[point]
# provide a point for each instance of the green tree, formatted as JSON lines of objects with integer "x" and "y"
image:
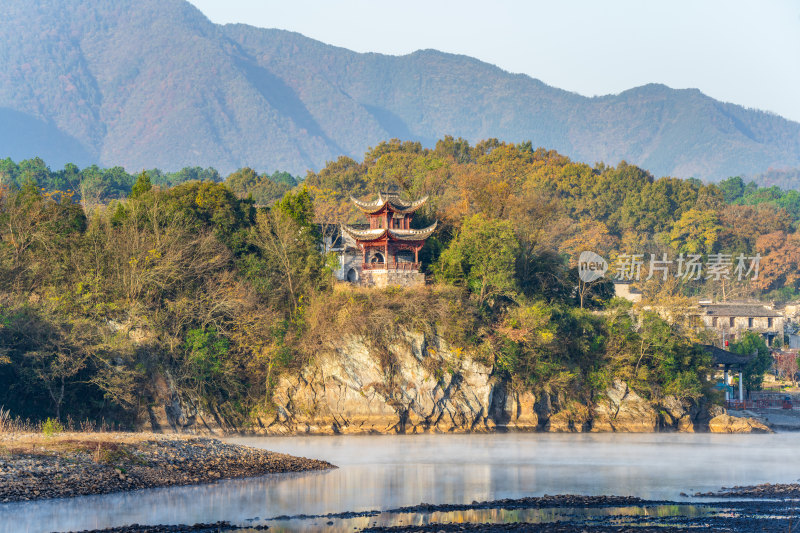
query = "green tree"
{"x": 482, "y": 257}
{"x": 206, "y": 352}
{"x": 299, "y": 207}
{"x": 752, "y": 343}
{"x": 696, "y": 232}
{"x": 263, "y": 189}
{"x": 192, "y": 174}
{"x": 290, "y": 265}
{"x": 345, "y": 175}
{"x": 69, "y": 178}
{"x": 732, "y": 189}
{"x": 211, "y": 206}
{"x": 652, "y": 355}
{"x": 141, "y": 186}
{"x": 657, "y": 205}
{"x": 34, "y": 171}
{"x": 8, "y": 172}
{"x": 99, "y": 184}
{"x": 458, "y": 149}
{"x": 242, "y": 181}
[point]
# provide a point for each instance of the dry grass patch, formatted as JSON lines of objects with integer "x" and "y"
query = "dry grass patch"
{"x": 105, "y": 447}
{"x": 380, "y": 314}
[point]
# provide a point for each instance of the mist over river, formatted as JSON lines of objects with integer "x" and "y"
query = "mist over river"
{"x": 386, "y": 472}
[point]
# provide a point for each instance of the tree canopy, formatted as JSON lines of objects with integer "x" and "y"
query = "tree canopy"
{"x": 112, "y": 282}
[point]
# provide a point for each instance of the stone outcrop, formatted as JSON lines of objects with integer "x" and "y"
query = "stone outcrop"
{"x": 420, "y": 384}
{"x": 679, "y": 416}
{"x": 623, "y": 410}
{"x": 432, "y": 388}
{"x": 171, "y": 411}
{"x": 520, "y": 411}
{"x": 725, "y": 423}
{"x": 429, "y": 388}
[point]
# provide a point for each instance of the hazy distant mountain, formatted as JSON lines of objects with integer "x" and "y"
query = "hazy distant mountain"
{"x": 785, "y": 178}
{"x": 154, "y": 83}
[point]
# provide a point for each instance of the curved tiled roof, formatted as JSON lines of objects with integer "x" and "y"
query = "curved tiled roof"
{"x": 397, "y": 234}
{"x": 413, "y": 234}
{"x": 365, "y": 234}
{"x": 392, "y": 201}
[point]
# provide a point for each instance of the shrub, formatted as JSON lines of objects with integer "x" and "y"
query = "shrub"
{"x": 51, "y": 426}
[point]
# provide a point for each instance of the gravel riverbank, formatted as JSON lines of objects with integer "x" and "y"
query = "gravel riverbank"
{"x": 552, "y": 514}
{"x": 33, "y": 466}
{"x": 765, "y": 490}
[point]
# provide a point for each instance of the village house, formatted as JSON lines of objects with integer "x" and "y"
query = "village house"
{"x": 385, "y": 251}
{"x": 732, "y": 319}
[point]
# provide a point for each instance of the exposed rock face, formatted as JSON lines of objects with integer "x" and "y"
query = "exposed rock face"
{"x": 170, "y": 411}
{"x": 675, "y": 414}
{"x": 521, "y": 412}
{"x": 624, "y": 410}
{"x": 431, "y": 388}
{"x": 730, "y": 424}
{"x": 173, "y": 411}
{"x": 419, "y": 384}
{"x": 567, "y": 422}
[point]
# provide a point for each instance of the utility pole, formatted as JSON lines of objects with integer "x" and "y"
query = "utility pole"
{"x": 725, "y": 369}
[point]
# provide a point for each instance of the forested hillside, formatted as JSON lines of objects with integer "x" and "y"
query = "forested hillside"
{"x": 147, "y": 293}
{"x": 153, "y": 83}
{"x": 784, "y": 179}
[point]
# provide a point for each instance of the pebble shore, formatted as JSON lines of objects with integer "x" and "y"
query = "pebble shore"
{"x": 34, "y": 467}
{"x": 765, "y": 490}
{"x": 218, "y": 527}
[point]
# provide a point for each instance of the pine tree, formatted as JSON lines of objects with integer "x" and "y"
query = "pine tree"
{"x": 141, "y": 186}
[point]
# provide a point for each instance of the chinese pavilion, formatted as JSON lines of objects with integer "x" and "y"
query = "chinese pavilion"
{"x": 389, "y": 248}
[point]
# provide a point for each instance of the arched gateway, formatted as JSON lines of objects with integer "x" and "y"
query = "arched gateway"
{"x": 389, "y": 247}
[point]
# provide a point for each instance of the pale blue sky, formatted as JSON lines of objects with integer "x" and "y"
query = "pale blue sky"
{"x": 745, "y": 52}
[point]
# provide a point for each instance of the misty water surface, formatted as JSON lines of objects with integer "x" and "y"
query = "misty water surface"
{"x": 385, "y": 472}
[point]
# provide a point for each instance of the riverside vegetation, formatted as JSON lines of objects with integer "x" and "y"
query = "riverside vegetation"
{"x": 180, "y": 299}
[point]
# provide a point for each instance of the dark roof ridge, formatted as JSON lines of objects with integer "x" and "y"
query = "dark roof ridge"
{"x": 728, "y": 309}
{"x": 725, "y": 357}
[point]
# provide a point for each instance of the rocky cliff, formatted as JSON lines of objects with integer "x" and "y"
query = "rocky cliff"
{"x": 419, "y": 384}
{"x": 430, "y": 388}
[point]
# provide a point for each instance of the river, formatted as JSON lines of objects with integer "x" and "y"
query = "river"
{"x": 386, "y": 472}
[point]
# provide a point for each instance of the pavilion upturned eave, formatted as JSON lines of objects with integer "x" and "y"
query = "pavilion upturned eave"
{"x": 369, "y": 235}
{"x": 393, "y": 204}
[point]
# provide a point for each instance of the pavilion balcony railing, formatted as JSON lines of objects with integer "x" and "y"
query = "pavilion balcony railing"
{"x": 392, "y": 265}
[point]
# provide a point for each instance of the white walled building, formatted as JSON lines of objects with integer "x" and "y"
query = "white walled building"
{"x": 731, "y": 319}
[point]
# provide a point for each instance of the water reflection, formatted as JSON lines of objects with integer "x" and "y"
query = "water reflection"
{"x": 386, "y": 472}
{"x": 609, "y": 515}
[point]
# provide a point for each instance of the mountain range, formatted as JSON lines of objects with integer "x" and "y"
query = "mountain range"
{"x": 154, "y": 83}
